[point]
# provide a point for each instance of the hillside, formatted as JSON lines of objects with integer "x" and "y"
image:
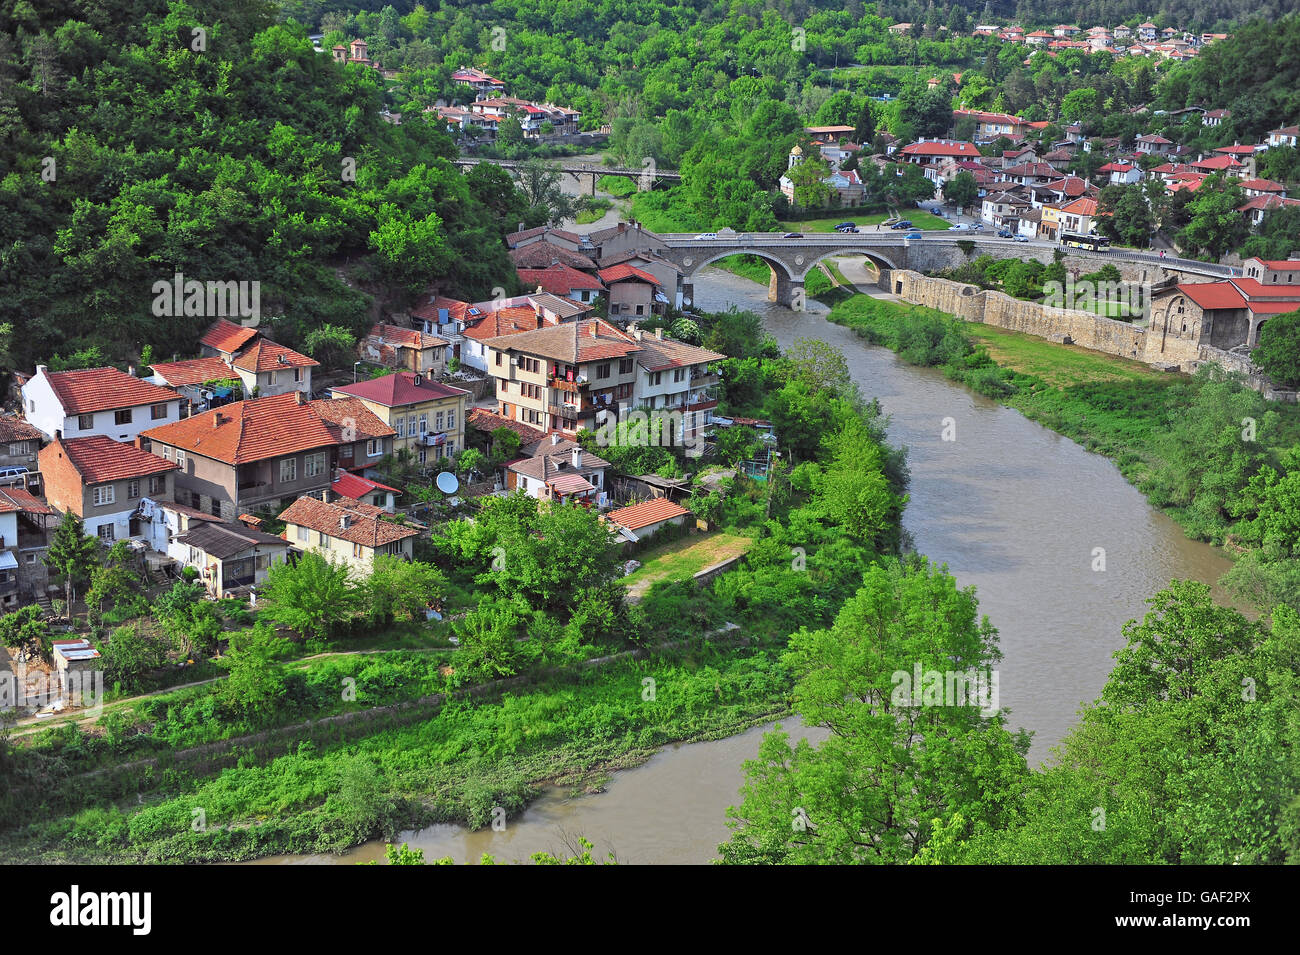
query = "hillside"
{"x": 137, "y": 147}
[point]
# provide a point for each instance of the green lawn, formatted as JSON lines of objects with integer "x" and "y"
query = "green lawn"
{"x": 683, "y": 558}
{"x": 1060, "y": 365}
{"x": 827, "y": 222}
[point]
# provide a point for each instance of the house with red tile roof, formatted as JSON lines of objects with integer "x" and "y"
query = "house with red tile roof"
{"x": 1230, "y": 313}
{"x": 427, "y": 416}
{"x": 1154, "y": 145}
{"x": 1121, "y": 173}
{"x": 508, "y": 320}
{"x": 198, "y": 381}
{"x": 1260, "y": 205}
{"x": 559, "y": 470}
{"x": 103, "y": 482}
{"x": 1274, "y": 271}
{"x": 562, "y": 280}
{"x": 267, "y": 368}
{"x": 676, "y": 377}
{"x": 95, "y": 401}
{"x": 1285, "y": 136}
{"x": 640, "y": 521}
{"x": 252, "y": 454}
{"x": 346, "y": 532}
{"x": 363, "y": 490}
{"x": 1225, "y": 164}
{"x": 562, "y": 377}
{"x": 1262, "y": 187}
{"x": 633, "y": 292}
{"x": 485, "y": 422}
{"x": 225, "y": 340}
{"x": 19, "y": 442}
{"x": 409, "y": 349}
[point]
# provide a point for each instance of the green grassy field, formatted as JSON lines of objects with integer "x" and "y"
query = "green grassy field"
{"x": 828, "y": 221}
{"x": 681, "y": 559}
{"x": 1059, "y": 365}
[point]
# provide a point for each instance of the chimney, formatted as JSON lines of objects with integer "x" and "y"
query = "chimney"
{"x": 521, "y": 227}
{"x": 555, "y": 437}
{"x": 345, "y": 521}
{"x": 130, "y": 370}
{"x": 299, "y": 397}
{"x": 41, "y": 369}
{"x": 592, "y": 327}
{"x": 659, "y": 333}
{"x": 216, "y": 420}
{"x": 622, "y": 226}
{"x": 577, "y": 457}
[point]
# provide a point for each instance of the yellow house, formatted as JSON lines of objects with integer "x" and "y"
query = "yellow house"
{"x": 1051, "y": 222}
{"x": 346, "y": 532}
{"x": 428, "y": 416}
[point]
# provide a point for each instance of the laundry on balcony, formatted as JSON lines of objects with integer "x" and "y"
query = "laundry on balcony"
{"x": 431, "y": 439}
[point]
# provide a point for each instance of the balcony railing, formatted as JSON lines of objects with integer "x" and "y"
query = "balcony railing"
{"x": 562, "y": 385}
{"x": 705, "y": 380}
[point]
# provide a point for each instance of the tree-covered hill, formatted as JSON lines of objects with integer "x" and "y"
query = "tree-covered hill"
{"x": 136, "y": 147}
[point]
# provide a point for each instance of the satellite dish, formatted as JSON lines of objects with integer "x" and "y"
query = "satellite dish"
{"x": 447, "y": 482}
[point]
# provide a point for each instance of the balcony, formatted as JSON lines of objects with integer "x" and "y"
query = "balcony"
{"x": 705, "y": 380}
{"x": 561, "y": 385}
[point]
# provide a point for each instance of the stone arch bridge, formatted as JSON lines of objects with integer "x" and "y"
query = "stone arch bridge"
{"x": 791, "y": 259}
{"x": 585, "y": 172}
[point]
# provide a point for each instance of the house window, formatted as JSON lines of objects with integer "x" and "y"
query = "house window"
{"x": 399, "y": 425}
{"x": 158, "y": 485}
{"x": 356, "y": 550}
{"x": 302, "y": 533}
{"x": 105, "y": 532}
{"x": 31, "y": 558}
{"x": 679, "y": 374}
{"x": 624, "y": 365}
{"x": 315, "y": 464}
{"x": 451, "y": 415}
{"x": 437, "y": 421}
{"x": 374, "y": 448}
{"x": 424, "y": 423}
{"x": 103, "y": 495}
{"x": 158, "y": 412}
{"x": 122, "y": 416}
{"x": 422, "y": 455}
{"x": 180, "y": 459}
{"x": 602, "y": 371}
{"x": 288, "y": 470}
{"x": 17, "y": 449}
{"x": 297, "y": 374}
{"x": 262, "y": 561}
{"x": 85, "y": 422}
{"x": 132, "y": 490}
{"x": 498, "y": 358}
{"x": 451, "y": 448}
{"x": 271, "y": 378}
{"x": 656, "y": 378}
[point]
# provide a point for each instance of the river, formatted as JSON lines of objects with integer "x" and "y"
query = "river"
{"x": 1011, "y": 507}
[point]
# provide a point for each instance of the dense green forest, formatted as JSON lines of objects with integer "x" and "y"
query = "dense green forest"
{"x": 136, "y": 148}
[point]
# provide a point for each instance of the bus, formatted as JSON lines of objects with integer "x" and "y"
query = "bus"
{"x": 1094, "y": 243}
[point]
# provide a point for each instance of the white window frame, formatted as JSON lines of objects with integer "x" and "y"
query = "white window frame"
{"x": 103, "y": 494}
{"x": 314, "y": 464}
{"x": 292, "y": 469}
{"x": 374, "y": 448}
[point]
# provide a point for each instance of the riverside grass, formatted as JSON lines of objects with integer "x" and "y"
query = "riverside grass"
{"x": 332, "y": 791}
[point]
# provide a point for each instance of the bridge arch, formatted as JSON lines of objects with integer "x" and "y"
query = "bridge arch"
{"x": 878, "y": 259}
{"x": 692, "y": 264}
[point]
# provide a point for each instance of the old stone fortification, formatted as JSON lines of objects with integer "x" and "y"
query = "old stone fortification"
{"x": 1071, "y": 326}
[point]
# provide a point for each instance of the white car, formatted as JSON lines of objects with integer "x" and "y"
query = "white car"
{"x": 706, "y": 236}
{"x": 960, "y": 227}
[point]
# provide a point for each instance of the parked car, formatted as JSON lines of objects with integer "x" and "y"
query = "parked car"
{"x": 1005, "y": 234}
{"x": 914, "y": 235}
{"x": 706, "y": 236}
{"x": 1021, "y": 238}
{"x": 902, "y": 224}
{"x": 846, "y": 228}
{"x": 890, "y": 221}
{"x": 845, "y": 225}
{"x": 978, "y": 225}
{"x": 793, "y": 235}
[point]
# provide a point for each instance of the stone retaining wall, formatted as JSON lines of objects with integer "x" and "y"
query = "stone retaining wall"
{"x": 1072, "y": 326}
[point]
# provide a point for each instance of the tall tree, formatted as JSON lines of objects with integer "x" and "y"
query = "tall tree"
{"x": 72, "y": 555}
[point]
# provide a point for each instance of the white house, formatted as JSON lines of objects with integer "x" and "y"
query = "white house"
{"x": 228, "y": 556}
{"x": 96, "y": 401}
